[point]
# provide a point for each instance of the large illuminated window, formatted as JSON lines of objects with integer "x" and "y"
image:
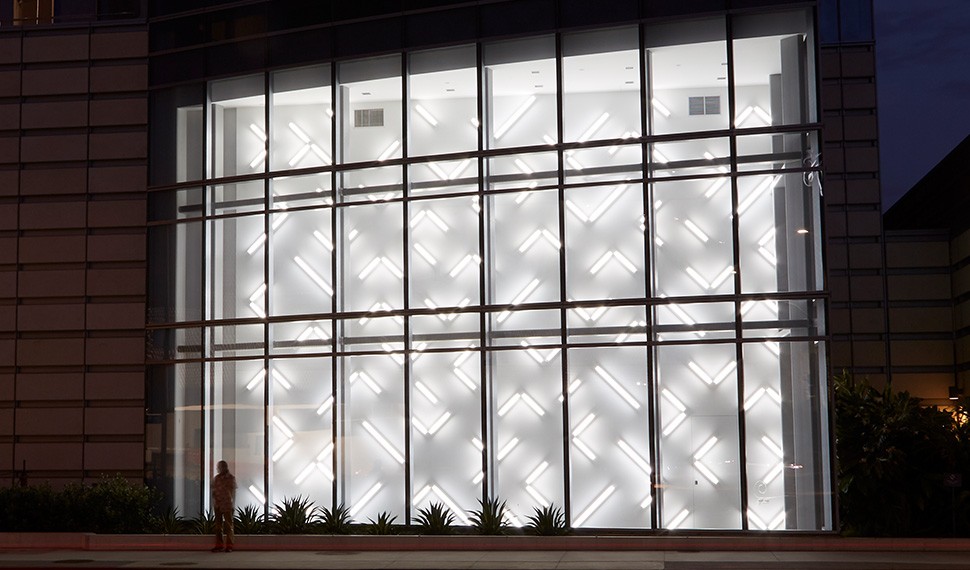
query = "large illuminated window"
{"x": 580, "y": 271}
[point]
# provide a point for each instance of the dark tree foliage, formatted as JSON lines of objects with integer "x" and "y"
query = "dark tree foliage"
{"x": 893, "y": 455}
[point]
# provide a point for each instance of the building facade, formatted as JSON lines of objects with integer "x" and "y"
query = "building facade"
{"x": 535, "y": 250}
{"x": 578, "y": 268}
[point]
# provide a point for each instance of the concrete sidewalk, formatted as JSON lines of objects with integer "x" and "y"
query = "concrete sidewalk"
{"x": 488, "y": 560}
{"x": 402, "y": 552}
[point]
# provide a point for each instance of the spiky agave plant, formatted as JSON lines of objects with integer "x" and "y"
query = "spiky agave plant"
{"x": 547, "y": 521}
{"x": 293, "y": 515}
{"x": 490, "y": 518}
{"x": 336, "y": 521}
{"x": 435, "y": 519}
{"x": 384, "y": 524}
{"x": 204, "y": 523}
{"x": 249, "y": 520}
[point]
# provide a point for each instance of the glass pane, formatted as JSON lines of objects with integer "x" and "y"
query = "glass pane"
{"x": 236, "y": 285}
{"x": 175, "y": 273}
{"x": 780, "y": 244}
{"x": 525, "y": 460}
{"x": 372, "y": 448}
{"x": 520, "y": 92}
{"x": 526, "y": 328}
{"x": 699, "y": 157}
{"x": 301, "y": 337}
{"x": 443, "y": 87}
{"x": 302, "y": 262}
{"x": 237, "y": 198}
{"x": 694, "y": 321}
{"x": 302, "y": 115}
{"x": 525, "y": 248}
{"x": 301, "y": 444}
{"x": 770, "y": 318}
{"x": 609, "y": 438}
{"x": 525, "y": 171}
{"x": 693, "y": 253}
{"x": 687, "y": 65}
{"x": 371, "y": 184}
{"x": 601, "y": 85}
{"x": 176, "y": 134}
{"x": 443, "y": 177}
{"x": 373, "y": 268}
{"x": 369, "y": 98}
{"x": 617, "y": 163}
{"x": 444, "y": 253}
{"x": 175, "y": 420}
{"x": 302, "y": 191}
{"x": 175, "y": 204}
{"x": 699, "y": 441}
{"x": 237, "y": 115}
{"x": 604, "y": 242}
{"x": 234, "y": 400}
{"x": 235, "y": 340}
{"x": 787, "y": 472}
{"x": 590, "y": 323}
{"x": 446, "y": 330}
{"x": 771, "y": 69}
{"x": 446, "y": 429}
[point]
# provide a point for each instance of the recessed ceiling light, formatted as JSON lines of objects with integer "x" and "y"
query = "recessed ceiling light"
{"x": 628, "y": 82}
{"x": 365, "y": 92}
{"x": 535, "y": 72}
{"x": 721, "y": 78}
{"x": 538, "y": 86}
{"x": 450, "y": 90}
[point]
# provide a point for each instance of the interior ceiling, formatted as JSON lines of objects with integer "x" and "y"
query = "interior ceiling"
{"x": 677, "y": 67}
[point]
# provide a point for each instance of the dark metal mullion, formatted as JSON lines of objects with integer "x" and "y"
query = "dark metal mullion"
{"x": 653, "y": 412}
{"x": 267, "y": 245}
{"x": 561, "y": 220}
{"x": 736, "y": 248}
{"x": 405, "y": 247}
{"x": 335, "y": 326}
{"x": 483, "y": 291}
{"x": 206, "y": 275}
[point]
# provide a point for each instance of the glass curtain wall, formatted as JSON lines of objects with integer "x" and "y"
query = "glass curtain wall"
{"x": 580, "y": 271}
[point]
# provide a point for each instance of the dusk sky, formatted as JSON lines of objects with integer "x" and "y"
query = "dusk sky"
{"x": 923, "y": 81}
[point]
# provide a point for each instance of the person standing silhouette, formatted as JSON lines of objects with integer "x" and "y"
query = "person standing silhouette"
{"x": 223, "y": 493}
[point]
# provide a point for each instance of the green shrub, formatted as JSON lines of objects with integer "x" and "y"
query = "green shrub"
{"x": 435, "y": 519}
{"x": 490, "y": 518}
{"x": 204, "y": 523}
{"x": 547, "y": 521}
{"x": 115, "y": 505}
{"x": 170, "y": 521}
{"x": 336, "y": 521}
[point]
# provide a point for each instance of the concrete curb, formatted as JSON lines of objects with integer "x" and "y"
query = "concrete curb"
{"x": 352, "y": 543}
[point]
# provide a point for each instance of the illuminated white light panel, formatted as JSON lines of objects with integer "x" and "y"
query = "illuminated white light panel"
{"x": 723, "y": 373}
{"x": 637, "y": 459}
{"x": 703, "y": 469}
{"x": 697, "y": 231}
{"x": 596, "y": 504}
{"x": 753, "y": 111}
{"x": 514, "y": 117}
{"x": 366, "y": 498}
{"x": 314, "y": 276}
{"x": 713, "y": 284}
{"x": 759, "y": 190}
{"x": 600, "y": 209}
{"x": 426, "y": 115}
{"x": 659, "y": 107}
{"x": 620, "y": 390}
{"x": 678, "y": 519}
{"x": 597, "y": 125}
{"x": 543, "y": 233}
{"x": 389, "y": 151}
{"x": 383, "y": 442}
{"x": 518, "y": 299}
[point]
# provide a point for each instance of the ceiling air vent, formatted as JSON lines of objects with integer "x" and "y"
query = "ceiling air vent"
{"x": 704, "y": 105}
{"x": 369, "y": 118}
